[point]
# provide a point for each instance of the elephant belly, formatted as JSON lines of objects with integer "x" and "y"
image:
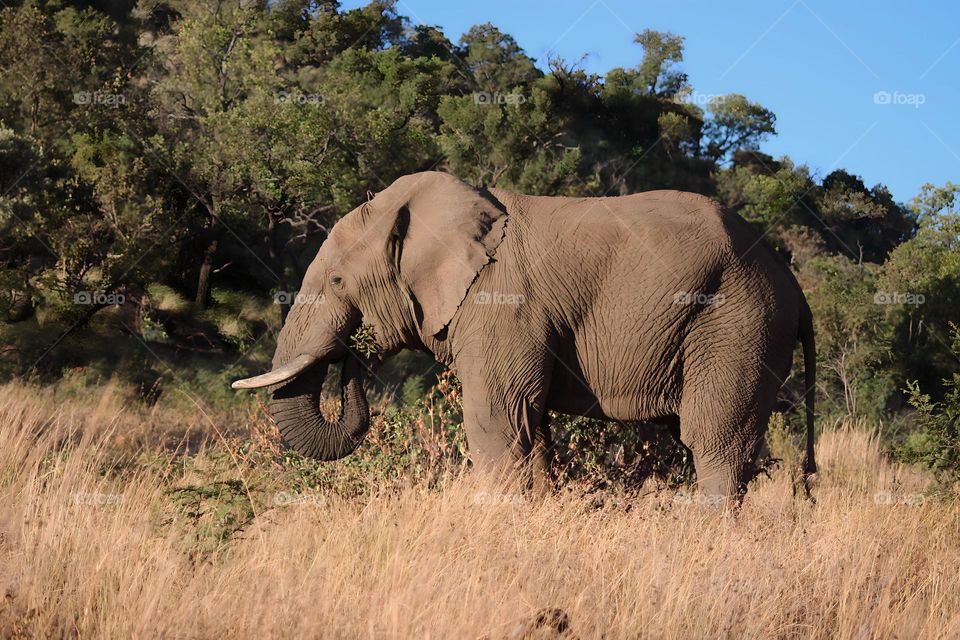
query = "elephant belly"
{"x": 574, "y": 401}
{"x": 612, "y": 393}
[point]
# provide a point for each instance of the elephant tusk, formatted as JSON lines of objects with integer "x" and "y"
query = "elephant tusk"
{"x": 284, "y": 373}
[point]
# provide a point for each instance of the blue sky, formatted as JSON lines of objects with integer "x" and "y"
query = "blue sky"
{"x": 817, "y": 64}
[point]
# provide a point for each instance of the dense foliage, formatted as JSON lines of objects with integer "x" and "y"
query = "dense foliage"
{"x": 169, "y": 167}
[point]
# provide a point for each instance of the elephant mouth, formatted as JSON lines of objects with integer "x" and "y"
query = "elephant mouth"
{"x": 295, "y": 405}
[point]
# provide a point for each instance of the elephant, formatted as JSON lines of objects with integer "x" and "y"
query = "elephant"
{"x": 658, "y": 307}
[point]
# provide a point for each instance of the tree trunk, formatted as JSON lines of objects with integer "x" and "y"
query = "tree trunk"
{"x": 276, "y": 252}
{"x": 22, "y": 306}
{"x": 203, "y": 282}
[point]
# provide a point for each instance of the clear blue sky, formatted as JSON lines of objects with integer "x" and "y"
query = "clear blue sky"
{"x": 817, "y": 64}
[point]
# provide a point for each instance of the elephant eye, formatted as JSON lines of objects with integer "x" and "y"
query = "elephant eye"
{"x": 336, "y": 281}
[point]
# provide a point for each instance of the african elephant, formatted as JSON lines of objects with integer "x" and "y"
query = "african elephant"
{"x": 655, "y": 307}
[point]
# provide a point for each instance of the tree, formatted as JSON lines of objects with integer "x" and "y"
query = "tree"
{"x": 216, "y": 58}
{"x": 853, "y": 338}
{"x": 495, "y": 61}
{"x": 735, "y": 123}
{"x": 656, "y": 75}
{"x": 427, "y": 41}
{"x": 774, "y": 195}
{"x": 80, "y": 212}
{"x": 314, "y": 32}
{"x": 631, "y": 130}
{"x": 921, "y": 280}
{"x": 517, "y": 144}
{"x": 936, "y": 442}
{"x": 864, "y": 222}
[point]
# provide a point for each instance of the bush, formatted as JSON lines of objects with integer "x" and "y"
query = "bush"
{"x": 935, "y": 443}
{"x": 616, "y": 455}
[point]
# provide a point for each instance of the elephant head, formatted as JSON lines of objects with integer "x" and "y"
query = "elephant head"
{"x": 400, "y": 263}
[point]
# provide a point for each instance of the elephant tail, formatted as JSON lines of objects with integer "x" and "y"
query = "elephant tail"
{"x": 809, "y": 465}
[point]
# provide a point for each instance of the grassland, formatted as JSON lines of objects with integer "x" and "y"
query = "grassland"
{"x": 118, "y": 520}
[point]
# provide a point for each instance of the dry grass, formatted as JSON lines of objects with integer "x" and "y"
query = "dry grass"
{"x": 86, "y": 550}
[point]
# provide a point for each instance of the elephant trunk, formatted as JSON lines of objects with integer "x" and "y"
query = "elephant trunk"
{"x": 296, "y": 408}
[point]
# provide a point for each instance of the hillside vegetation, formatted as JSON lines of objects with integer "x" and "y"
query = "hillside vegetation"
{"x": 168, "y": 168}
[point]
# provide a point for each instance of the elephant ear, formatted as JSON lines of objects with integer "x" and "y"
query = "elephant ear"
{"x": 450, "y": 232}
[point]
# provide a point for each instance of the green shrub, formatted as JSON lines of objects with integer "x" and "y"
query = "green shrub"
{"x": 618, "y": 455}
{"x": 935, "y": 442}
{"x": 206, "y": 516}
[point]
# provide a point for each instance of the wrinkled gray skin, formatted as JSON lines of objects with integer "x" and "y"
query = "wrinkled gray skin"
{"x": 656, "y": 307}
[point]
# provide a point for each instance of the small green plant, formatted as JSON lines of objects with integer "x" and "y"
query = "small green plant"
{"x": 208, "y": 515}
{"x": 784, "y": 444}
{"x": 411, "y": 391}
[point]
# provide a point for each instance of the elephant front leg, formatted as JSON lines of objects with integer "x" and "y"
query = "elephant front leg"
{"x": 490, "y": 437}
{"x": 506, "y": 435}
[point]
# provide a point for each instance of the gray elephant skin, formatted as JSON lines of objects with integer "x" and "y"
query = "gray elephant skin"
{"x": 658, "y": 307}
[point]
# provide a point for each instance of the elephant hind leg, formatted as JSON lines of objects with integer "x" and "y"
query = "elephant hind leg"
{"x": 541, "y": 458}
{"x": 723, "y": 426}
{"x": 721, "y": 474}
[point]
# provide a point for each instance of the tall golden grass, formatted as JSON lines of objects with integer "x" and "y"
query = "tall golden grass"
{"x": 85, "y": 551}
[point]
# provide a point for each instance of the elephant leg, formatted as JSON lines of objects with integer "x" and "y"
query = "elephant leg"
{"x": 723, "y": 428}
{"x": 720, "y": 470}
{"x": 505, "y": 433}
{"x": 490, "y": 436}
{"x": 541, "y": 458}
